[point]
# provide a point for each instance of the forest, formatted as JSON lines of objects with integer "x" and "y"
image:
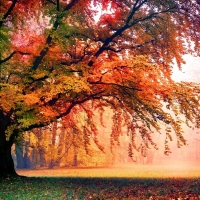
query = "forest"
{"x": 73, "y": 72}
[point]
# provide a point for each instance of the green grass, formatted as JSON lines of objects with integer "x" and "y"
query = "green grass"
{"x": 98, "y": 188}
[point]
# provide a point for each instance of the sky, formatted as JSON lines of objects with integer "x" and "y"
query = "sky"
{"x": 190, "y": 71}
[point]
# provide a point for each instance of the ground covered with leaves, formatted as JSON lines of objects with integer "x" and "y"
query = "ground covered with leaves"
{"x": 99, "y": 188}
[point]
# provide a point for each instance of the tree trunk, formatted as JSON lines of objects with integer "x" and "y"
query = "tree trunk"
{"x": 9, "y": 160}
{"x": 19, "y": 155}
{"x": 6, "y": 162}
{"x": 3, "y": 170}
{"x": 42, "y": 158}
{"x": 26, "y": 158}
{"x": 150, "y": 156}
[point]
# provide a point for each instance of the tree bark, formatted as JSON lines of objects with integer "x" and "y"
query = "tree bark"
{"x": 7, "y": 167}
{"x": 9, "y": 160}
{"x": 6, "y": 162}
{"x": 3, "y": 170}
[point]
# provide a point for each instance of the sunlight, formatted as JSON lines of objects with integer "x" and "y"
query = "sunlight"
{"x": 128, "y": 171}
{"x": 99, "y": 11}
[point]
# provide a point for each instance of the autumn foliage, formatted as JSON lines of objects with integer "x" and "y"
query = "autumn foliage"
{"x": 56, "y": 58}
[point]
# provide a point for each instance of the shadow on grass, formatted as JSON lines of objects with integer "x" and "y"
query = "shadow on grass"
{"x": 25, "y": 188}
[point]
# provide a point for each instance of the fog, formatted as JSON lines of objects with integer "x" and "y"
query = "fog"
{"x": 188, "y": 154}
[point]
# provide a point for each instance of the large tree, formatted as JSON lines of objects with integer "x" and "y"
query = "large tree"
{"x": 59, "y": 55}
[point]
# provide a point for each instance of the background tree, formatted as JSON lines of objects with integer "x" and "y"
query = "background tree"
{"x": 59, "y": 59}
{"x": 62, "y": 144}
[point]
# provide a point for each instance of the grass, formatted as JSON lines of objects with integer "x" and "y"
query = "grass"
{"x": 98, "y": 188}
{"x": 118, "y": 183}
{"x": 123, "y": 171}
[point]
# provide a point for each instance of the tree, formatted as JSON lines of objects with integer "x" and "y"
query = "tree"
{"x": 56, "y": 58}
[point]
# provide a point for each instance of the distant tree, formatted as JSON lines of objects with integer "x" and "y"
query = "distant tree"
{"x": 56, "y": 56}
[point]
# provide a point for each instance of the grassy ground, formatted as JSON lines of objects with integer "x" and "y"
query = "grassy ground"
{"x": 98, "y": 188}
{"x": 123, "y": 171}
{"x": 117, "y": 183}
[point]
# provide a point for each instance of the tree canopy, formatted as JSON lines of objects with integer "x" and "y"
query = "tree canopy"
{"x": 59, "y": 55}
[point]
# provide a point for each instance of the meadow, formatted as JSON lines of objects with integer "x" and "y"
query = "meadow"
{"x": 114, "y": 183}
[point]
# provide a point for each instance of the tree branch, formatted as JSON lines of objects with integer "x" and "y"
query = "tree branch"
{"x": 8, "y": 12}
{"x": 12, "y": 54}
{"x": 66, "y": 112}
{"x": 135, "y": 8}
{"x": 8, "y": 58}
{"x": 44, "y": 52}
{"x": 50, "y": 1}
{"x": 125, "y": 27}
{"x": 69, "y": 6}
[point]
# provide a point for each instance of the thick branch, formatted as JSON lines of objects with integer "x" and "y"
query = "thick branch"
{"x": 58, "y": 5}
